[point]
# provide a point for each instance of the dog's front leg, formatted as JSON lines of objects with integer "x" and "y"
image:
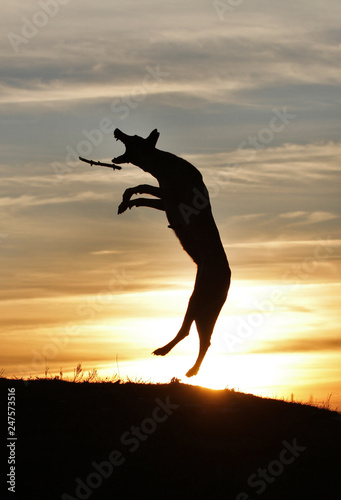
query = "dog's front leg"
{"x": 141, "y": 189}
{"x": 142, "y": 202}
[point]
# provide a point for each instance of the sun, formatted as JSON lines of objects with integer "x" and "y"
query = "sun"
{"x": 251, "y": 373}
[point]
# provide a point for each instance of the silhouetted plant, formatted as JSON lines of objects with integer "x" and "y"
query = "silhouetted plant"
{"x": 46, "y": 369}
{"x": 78, "y": 373}
{"x": 92, "y": 375}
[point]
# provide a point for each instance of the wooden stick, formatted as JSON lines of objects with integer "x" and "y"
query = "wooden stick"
{"x": 110, "y": 165}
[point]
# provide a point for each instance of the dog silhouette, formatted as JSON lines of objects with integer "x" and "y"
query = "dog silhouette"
{"x": 183, "y": 195}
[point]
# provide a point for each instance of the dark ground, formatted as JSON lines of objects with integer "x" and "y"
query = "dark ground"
{"x": 169, "y": 441}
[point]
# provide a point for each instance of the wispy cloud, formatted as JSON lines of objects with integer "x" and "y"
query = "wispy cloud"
{"x": 25, "y": 201}
{"x": 302, "y": 345}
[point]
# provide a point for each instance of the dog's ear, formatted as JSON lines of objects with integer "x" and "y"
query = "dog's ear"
{"x": 153, "y": 137}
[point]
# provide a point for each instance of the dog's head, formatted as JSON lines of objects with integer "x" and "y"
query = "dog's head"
{"x": 137, "y": 149}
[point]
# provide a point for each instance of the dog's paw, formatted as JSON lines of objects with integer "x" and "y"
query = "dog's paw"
{"x": 122, "y": 208}
{"x": 162, "y": 351}
{"x": 193, "y": 371}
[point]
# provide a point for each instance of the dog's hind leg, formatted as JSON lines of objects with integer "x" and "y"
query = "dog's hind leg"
{"x": 205, "y": 324}
{"x": 207, "y": 314}
{"x": 184, "y": 330}
{"x": 194, "y": 305}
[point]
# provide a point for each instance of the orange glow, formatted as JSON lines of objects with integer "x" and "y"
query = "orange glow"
{"x": 276, "y": 351}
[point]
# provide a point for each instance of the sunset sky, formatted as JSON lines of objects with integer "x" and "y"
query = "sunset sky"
{"x": 249, "y": 92}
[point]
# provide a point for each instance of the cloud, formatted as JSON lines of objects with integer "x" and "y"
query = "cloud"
{"x": 265, "y": 209}
{"x": 302, "y": 345}
{"x": 249, "y": 51}
{"x": 26, "y": 201}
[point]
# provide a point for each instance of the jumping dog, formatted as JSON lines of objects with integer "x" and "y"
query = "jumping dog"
{"x": 183, "y": 195}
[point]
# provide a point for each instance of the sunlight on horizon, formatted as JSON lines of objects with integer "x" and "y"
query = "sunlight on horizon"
{"x": 123, "y": 329}
{"x": 278, "y": 376}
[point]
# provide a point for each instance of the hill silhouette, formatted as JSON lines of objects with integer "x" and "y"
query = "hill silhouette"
{"x": 131, "y": 440}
